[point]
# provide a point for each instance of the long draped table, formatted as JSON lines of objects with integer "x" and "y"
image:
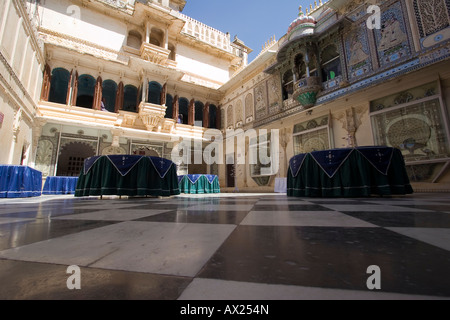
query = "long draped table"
{"x": 349, "y": 172}
{"x": 20, "y": 182}
{"x": 199, "y": 183}
{"x": 127, "y": 175}
{"x": 59, "y": 185}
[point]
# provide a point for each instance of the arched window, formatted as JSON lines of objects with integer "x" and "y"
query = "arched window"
{"x": 331, "y": 63}
{"x": 288, "y": 84}
{"x": 134, "y": 39}
{"x": 199, "y": 113}
{"x": 212, "y": 116}
{"x": 156, "y": 37}
{"x": 154, "y": 92}
{"x": 109, "y": 93}
{"x": 130, "y": 93}
{"x": 86, "y": 90}
{"x": 183, "y": 110}
{"x": 300, "y": 67}
{"x": 59, "y": 86}
{"x": 169, "y": 105}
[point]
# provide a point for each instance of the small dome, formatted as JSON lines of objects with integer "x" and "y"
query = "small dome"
{"x": 302, "y": 20}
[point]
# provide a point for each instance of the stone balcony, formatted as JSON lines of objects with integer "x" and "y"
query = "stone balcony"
{"x": 306, "y": 90}
{"x": 152, "y": 115}
{"x": 155, "y": 54}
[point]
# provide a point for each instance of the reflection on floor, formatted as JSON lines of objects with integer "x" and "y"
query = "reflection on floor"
{"x": 226, "y": 247}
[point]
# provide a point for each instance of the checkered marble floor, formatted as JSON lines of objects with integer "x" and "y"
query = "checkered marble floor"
{"x": 225, "y": 247}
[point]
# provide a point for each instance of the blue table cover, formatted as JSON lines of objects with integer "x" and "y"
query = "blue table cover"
{"x": 60, "y": 185}
{"x": 20, "y": 182}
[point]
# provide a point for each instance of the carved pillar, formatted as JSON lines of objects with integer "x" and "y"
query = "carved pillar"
{"x": 119, "y": 97}
{"x": 206, "y": 115}
{"x": 191, "y": 113}
{"x": 75, "y": 89}
{"x": 46, "y": 83}
{"x": 163, "y": 94}
{"x": 175, "y": 108}
{"x": 139, "y": 97}
{"x": 98, "y": 94}
{"x": 219, "y": 118}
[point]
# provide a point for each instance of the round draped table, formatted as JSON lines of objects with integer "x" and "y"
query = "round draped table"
{"x": 20, "y": 182}
{"x": 349, "y": 172}
{"x": 199, "y": 183}
{"x": 127, "y": 175}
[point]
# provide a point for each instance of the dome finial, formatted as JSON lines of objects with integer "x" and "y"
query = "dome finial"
{"x": 300, "y": 11}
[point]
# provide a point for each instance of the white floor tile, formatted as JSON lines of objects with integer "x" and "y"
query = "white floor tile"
{"x": 211, "y": 289}
{"x": 164, "y": 248}
{"x": 439, "y": 237}
{"x": 303, "y": 218}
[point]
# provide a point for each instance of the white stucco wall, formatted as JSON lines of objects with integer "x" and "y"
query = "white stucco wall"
{"x": 202, "y": 64}
{"x": 83, "y": 23}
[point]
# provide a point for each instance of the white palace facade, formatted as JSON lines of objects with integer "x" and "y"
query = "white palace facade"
{"x": 83, "y": 78}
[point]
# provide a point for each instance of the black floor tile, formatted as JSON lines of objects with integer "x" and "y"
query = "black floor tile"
{"x": 189, "y": 216}
{"x": 290, "y": 207}
{"x": 330, "y": 258}
{"x": 49, "y": 282}
{"x": 430, "y": 219}
{"x": 26, "y": 232}
{"x": 46, "y": 213}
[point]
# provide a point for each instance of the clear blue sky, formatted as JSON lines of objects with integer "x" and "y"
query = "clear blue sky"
{"x": 252, "y": 21}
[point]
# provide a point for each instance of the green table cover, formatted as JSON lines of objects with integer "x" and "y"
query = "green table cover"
{"x": 199, "y": 184}
{"x": 356, "y": 175}
{"x": 141, "y": 179}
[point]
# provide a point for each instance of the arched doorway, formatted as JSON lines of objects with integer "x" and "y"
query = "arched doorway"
{"x": 154, "y": 92}
{"x": 183, "y": 110}
{"x": 130, "y": 95}
{"x": 231, "y": 172}
{"x": 59, "y": 86}
{"x": 169, "y": 105}
{"x": 109, "y": 93}
{"x": 71, "y": 158}
{"x": 86, "y": 90}
{"x": 145, "y": 151}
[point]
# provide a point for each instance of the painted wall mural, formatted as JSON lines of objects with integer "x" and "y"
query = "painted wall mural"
{"x": 392, "y": 39}
{"x": 261, "y": 100}
{"x": 358, "y": 52}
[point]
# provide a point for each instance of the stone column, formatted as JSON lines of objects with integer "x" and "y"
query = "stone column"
{"x": 206, "y": 115}
{"x": 119, "y": 97}
{"x": 98, "y": 94}
{"x": 46, "y": 83}
{"x": 175, "y": 108}
{"x": 191, "y": 113}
